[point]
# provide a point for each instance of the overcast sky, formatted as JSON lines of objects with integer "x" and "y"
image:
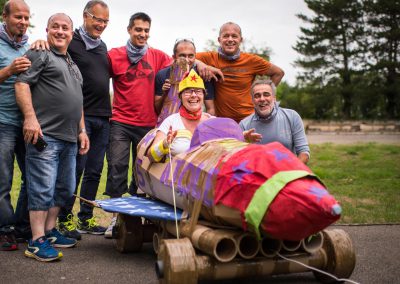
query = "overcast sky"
{"x": 263, "y": 22}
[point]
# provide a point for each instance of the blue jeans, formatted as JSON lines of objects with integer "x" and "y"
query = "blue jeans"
{"x": 122, "y": 138}
{"x": 11, "y": 146}
{"x": 90, "y": 165}
{"x": 50, "y": 174}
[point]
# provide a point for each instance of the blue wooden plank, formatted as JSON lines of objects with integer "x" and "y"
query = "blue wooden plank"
{"x": 140, "y": 206}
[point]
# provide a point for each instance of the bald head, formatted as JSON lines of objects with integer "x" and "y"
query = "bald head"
{"x": 12, "y": 4}
{"x": 59, "y": 32}
{"x": 16, "y": 18}
{"x": 230, "y": 24}
{"x": 60, "y": 16}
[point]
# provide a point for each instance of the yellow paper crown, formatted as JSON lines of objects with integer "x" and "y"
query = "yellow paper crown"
{"x": 193, "y": 80}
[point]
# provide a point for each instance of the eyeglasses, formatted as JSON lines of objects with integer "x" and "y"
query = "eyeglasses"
{"x": 189, "y": 92}
{"x": 98, "y": 20}
{"x": 182, "y": 39}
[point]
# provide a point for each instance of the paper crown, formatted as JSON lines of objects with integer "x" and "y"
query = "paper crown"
{"x": 192, "y": 80}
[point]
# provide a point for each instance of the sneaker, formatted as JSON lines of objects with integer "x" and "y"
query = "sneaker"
{"x": 58, "y": 240}
{"x": 42, "y": 250}
{"x": 8, "y": 242}
{"x": 90, "y": 226}
{"x": 109, "y": 232}
{"x": 68, "y": 228}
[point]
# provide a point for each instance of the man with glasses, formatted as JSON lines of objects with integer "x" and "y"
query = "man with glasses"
{"x": 184, "y": 49}
{"x": 89, "y": 53}
{"x": 232, "y": 96}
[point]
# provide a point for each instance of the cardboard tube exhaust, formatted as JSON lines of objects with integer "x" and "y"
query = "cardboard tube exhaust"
{"x": 313, "y": 243}
{"x": 270, "y": 247}
{"x": 291, "y": 245}
{"x": 217, "y": 243}
{"x": 248, "y": 245}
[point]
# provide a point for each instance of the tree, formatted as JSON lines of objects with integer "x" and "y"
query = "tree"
{"x": 383, "y": 45}
{"x": 2, "y": 2}
{"x": 330, "y": 47}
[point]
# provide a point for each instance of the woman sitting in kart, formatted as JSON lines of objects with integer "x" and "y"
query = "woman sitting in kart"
{"x": 176, "y": 131}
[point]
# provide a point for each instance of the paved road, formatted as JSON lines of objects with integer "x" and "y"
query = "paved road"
{"x": 350, "y": 138}
{"x": 95, "y": 260}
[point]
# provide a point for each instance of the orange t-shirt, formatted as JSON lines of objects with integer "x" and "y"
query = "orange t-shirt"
{"x": 232, "y": 96}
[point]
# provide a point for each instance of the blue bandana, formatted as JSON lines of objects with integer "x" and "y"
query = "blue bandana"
{"x": 229, "y": 57}
{"x": 135, "y": 53}
{"x": 11, "y": 41}
{"x": 90, "y": 42}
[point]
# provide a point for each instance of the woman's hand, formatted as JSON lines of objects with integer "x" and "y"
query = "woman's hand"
{"x": 170, "y": 137}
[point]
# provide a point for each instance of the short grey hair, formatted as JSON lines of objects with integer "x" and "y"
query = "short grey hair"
{"x": 92, "y": 3}
{"x": 263, "y": 82}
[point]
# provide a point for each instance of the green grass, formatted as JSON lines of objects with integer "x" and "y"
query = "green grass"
{"x": 364, "y": 178}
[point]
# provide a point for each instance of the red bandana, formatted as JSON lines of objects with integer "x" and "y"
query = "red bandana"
{"x": 190, "y": 115}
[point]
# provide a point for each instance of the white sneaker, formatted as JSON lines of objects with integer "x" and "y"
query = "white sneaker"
{"x": 108, "y": 232}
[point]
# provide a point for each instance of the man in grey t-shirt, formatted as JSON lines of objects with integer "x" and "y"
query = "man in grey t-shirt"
{"x": 49, "y": 95}
{"x": 275, "y": 123}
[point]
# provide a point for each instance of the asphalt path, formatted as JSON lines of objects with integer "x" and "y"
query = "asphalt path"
{"x": 95, "y": 260}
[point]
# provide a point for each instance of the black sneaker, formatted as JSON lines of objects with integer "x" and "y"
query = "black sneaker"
{"x": 68, "y": 228}
{"x": 90, "y": 226}
{"x": 8, "y": 242}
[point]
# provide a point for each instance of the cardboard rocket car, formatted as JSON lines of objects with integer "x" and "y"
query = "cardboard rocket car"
{"x": 265, "y": 189}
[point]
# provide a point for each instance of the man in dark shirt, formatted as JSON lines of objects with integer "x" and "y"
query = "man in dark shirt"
{"x": 89, "y": 52}
{"x": 184, "y": 49}
{"x": 49, "y": 95}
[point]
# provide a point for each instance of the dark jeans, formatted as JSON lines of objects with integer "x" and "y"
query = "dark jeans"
{"x": 90, "y": 165}
{"x": 122, "y": 138}
{"x": 12, "y": 145}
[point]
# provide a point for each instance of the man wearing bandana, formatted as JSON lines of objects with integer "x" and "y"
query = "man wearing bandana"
{"x": 89, "y": 53}
{"x": 275, "y": 124}
{"x": 13, "y": 45}
{"x": 133, "y": 68}
{"x": 232, "y": 96}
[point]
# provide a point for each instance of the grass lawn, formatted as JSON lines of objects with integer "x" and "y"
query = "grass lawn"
{"x": 364, "y": 178}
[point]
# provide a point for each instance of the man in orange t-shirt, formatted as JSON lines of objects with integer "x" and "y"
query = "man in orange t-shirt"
{"x": 232, "y": 96}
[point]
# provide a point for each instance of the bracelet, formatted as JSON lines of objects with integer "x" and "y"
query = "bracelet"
{"x": 83, "y": 130}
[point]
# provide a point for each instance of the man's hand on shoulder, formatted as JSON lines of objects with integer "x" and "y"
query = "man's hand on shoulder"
{"x": 208, "y": 72}
{"x": 40, "y": 44}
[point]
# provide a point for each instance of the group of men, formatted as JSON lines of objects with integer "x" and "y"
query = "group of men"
{"x": 57, "y": 120}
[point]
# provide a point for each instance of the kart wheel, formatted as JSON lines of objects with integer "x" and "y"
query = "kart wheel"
{"x": 341, "y": 258}
{"x": 129, "y": 233}
{"x": 176, "y": 262}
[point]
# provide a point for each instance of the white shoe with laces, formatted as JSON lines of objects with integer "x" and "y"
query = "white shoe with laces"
{"x": 108, "y": 232}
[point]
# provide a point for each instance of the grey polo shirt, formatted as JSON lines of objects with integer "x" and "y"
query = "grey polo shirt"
{"x": 56, "y": 86}
{"x": 284, "y": 126}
